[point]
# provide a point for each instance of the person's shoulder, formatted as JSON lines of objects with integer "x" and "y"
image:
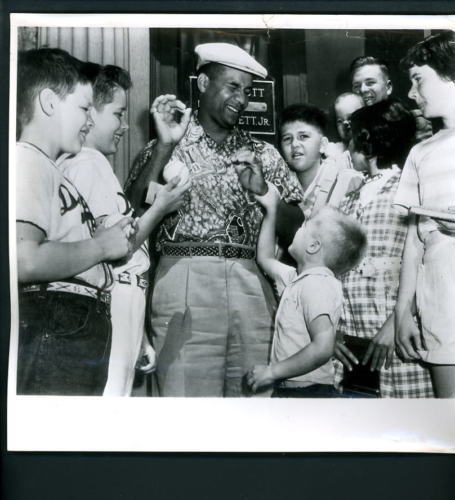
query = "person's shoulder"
{"x": 331, "y": 166}
{"x": 92, "y": 155}
{"x": 264, "y": 145}
{"x": 335, "y": 149}
{"x": 284, "y": 274}
{"x": 87, "y": 159}
{"x": 34, "y": 163}
{"x": 146, "y": 151}
{"x": 434, "y": 143}
{"x": 443, "y": 137}
{"x": 322, "y": 282}
{"x": 31, "y": 155}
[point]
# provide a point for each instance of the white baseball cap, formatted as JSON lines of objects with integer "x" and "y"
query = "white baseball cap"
{"x": 228, "y": 55}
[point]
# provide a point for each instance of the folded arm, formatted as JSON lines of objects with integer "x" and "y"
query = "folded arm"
{"x": 41, "y": 260}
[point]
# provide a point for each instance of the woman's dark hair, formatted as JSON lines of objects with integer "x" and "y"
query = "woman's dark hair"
{"x": 385, "y": 130}
{"x": 436, "y": 51}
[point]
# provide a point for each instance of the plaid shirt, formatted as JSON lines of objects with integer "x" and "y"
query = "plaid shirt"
{"x": 370, "y": 297}
{"x": 217, "y": 208}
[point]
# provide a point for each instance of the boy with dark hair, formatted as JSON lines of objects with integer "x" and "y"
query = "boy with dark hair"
{"x": 428, "y": 182}
{"x": 329, "y": 243}
{"x": 303, "y": 145}
{"x": 92, "y": 174}
{"x": 64, "y": 327}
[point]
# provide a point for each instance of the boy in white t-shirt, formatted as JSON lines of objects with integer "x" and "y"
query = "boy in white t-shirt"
{"x": 64, "y": 320}
{"x": 92, "y": 174}
{"x": 327, "y": 244}
{"x": 428, "y": 180}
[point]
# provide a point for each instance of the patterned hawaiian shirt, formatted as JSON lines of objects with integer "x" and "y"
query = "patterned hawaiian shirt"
{"x": 217, "y": 208}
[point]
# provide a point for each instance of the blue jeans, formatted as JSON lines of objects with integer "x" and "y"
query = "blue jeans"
{"x": 64, "y": 344}
{"x": 312, "y": 391}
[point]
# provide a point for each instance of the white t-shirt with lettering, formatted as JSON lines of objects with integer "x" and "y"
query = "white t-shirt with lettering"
{"x": 50, "y": 202}
{"x": 92, "y": 173}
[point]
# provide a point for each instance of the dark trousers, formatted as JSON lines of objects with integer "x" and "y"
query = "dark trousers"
{"x": 312, "y": 391}
{"x": 64, "y": 344}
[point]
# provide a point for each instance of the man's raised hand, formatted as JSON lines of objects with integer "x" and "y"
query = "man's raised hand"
{"x": 165, "y": 109}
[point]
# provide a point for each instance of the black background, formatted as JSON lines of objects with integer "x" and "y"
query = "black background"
{"x": 130, "y": 476}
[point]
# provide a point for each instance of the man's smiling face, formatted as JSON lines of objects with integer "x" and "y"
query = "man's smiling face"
{"x": 226, "y": 96}
{"x": 371, "y": 84}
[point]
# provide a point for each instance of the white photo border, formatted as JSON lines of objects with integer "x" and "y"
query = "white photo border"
{"x": 44, "y": 423}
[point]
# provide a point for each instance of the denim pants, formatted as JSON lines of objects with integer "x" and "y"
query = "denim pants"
{"x": 64, "y": 344}
{"x": 312, "y": 391}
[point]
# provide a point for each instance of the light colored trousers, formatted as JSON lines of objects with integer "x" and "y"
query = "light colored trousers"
{"x": 212, "y": 321}
{"x": 127, "y": 314}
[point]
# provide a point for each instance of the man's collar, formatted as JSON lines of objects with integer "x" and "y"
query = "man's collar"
{"x": 196, "y": 132}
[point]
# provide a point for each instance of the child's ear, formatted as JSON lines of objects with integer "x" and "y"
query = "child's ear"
{"x": 314, "y": 247}
{"x": 202, "y": 82}
{"x": 47, "y": 101}
{"x": 324, "y": 145}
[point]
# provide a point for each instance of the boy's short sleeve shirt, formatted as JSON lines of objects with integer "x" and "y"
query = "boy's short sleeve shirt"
{"x": 428, "y": 177}
{"x": 50, "y": 202}
{"x": 92, "y": 174}
{"x": 313, "y": 293}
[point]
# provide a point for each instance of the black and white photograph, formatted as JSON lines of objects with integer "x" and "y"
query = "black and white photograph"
{"x": 232, "y": 233}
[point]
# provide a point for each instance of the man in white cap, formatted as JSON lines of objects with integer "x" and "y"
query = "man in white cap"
{"x": 212, "y": 309}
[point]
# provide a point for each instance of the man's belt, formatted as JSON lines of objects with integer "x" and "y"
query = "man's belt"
{"x": 127, "y": 278}
{"x": 226, "y": 250}
{"x": 67, "y": 287}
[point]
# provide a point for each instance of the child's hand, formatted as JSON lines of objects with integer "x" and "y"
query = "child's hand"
{"x": 259, "y": 376}
{"x": 408, "y": 339}
{"x": 249, "y": 170}
{"x": 381, "y": 347}
{"x": 131, "y": 232}
{"x": 343, "y": 354}
{"x": 170, "y": 197}
{"x": 271, "y": 199}
{"x": 164, "y": 110}
{"x": 113, "y": 241}
{"x": 131, "y": 229}
{"x": 147, "y": 358}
